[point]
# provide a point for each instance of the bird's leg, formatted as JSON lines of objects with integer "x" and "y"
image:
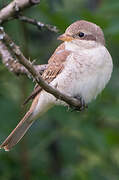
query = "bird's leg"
{"x": 83, "y": 104}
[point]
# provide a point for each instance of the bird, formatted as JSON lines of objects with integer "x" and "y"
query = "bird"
{"x": 80, "y": 67}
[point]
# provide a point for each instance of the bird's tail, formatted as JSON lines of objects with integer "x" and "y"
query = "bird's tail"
{"x": 18, "y": 132}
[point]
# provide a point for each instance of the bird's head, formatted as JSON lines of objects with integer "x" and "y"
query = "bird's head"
{"x": 81, "y": 32}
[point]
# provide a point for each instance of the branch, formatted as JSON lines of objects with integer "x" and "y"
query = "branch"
{"x": 13, "y": 10}
{"x": 39, "y": 24}
{"x": 36, "y": 75}
{"x": 15, "y": 6}
{"x": 13, "y": 65}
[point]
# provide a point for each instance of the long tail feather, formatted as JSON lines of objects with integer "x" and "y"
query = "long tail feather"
{"x": 18, "y": 132}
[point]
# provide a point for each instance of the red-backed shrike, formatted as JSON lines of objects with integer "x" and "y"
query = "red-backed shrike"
{"x": 79, "y": 67}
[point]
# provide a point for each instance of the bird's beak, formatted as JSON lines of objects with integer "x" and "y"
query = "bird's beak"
{"x": 65, "y": 37}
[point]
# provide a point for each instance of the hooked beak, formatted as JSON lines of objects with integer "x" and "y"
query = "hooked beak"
{"x": 65, "y": 37}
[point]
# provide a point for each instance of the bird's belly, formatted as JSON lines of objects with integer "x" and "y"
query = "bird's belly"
{"x": 88, "y": 87}
{"x": 85, "y": 84}
{"x": 86, "y": 78}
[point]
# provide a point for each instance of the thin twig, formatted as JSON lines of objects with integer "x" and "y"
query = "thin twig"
{"x": 28, "y": 65}
{"x": 39, "y": 24}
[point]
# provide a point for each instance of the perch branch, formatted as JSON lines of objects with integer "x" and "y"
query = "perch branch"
{"x": 13, "y": 65}
{"x": 15, "y": 6}
{"x": 36, "y": 75}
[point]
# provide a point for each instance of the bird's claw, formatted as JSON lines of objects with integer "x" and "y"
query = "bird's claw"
{"x": 82, "y": 106}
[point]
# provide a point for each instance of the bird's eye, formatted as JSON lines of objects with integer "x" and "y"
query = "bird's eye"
{"x": 81, "y": 34}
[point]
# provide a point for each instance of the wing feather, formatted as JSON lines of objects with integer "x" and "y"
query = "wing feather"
{"x": 55, "y": 67}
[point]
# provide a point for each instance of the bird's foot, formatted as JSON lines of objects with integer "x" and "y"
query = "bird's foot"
{"x": 83, "y": 105}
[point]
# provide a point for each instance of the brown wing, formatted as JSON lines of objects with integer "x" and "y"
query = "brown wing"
{"x": 55, "y": 66}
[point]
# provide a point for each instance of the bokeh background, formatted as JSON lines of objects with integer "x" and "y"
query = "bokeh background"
{"x": 61, "y": 145}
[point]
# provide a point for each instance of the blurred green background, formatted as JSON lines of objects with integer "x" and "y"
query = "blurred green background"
{"x": 61, "y": 145}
